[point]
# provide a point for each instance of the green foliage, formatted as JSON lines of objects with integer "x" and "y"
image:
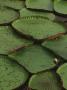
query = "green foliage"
{"x": 12, "y": 75}
{"x": 38, "y": 4}
{"x": 34, "y": 58}
{"x": 38, "y": 27}
{"x": 60, "y": 6}
{"x": 10, "y": 41}
{"x": 15, "y": 4}
{"x": 33, "y": 44}
{"x": 44, "y": 81}
{"x": 58, "y": 46}
{"x": 62, "y": 71}
{"x": 29, "y": 13}
{"x": 7, "y": 15}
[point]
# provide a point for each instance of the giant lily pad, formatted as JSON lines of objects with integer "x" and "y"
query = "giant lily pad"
{"x": 9, "y": 40}
{"x": 37, "y": 27}
{"x": 60, "y": 6}
{"x": 16, "y": 4}
{"x": 34, "y": 58}
{"x": 44, "y": 81}
{"x": 62, "y": 71}
{"x": 12, "y": 75}
{"x": 38, "y": 4}
{"x": 58, "y": 46}
{"x": 26, "y": 13}
{"x": 7, "y": 15}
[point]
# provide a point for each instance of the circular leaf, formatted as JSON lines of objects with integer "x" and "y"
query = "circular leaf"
{"x": 37, "y": 27}
{"x": 28, "y": 13}
{"x": 7, "y": 15}
{"x": 38, "y": 4}
{"x": 58, "y": 46}
{"x": 44, "y": 81}
{"x": 9, "y": 40}
{"x": 62, "y": 71}
{"x": 12, "y": 75}
{"x": 60, "y": 6}
{"x": 15, "y": 4}
{"x": 34, "y": 58}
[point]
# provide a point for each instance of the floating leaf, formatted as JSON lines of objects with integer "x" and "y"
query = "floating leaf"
{"x": 34, "y": 58}
{"x": 44, "y": 81}
{"x": 9, "y": 40}
{"x": 37, "y": 27}
{"x": 38, "y": 21}
{"x": 60, "y": 6}
{"x": 38, "y": 4}
{"x": 62, "y": 71}
{"x": 7, "y": 15}
{"x": 12, "y": 75}
{"x": 16, "y": 4}
{"x": 58, "y": 46}
{"x": 27, "y": 13}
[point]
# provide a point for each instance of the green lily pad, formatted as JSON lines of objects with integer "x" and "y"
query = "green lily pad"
{"x": 7, "y": 15}
{"x": 27, "y": 13}
{"x": 37, "y": 27}
{"x": 38, "y": 4}
{"x": 34, "y": 58}
{"x": 44, "y": 81}
{"x": 62, "y": 71}
{"x": 16, "y": 4}
{"x": 12, "y": 75}
{"x": 60, "y": 6}
{"x": 58, "y": 46}
{"x": 9, "y": 40}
